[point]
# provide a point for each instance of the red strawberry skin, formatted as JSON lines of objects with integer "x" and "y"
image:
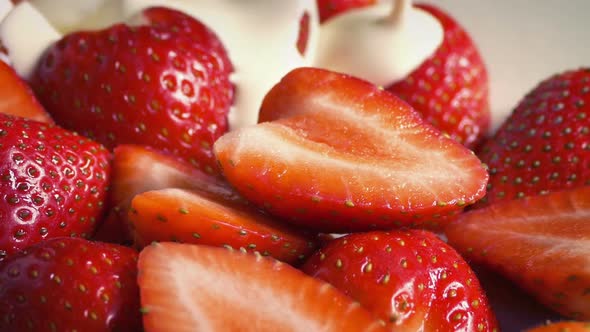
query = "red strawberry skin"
{"x": 331, "y": 8}
{"x": 164, "y": 84}
{"x": 451, "y": 88}
{"x": 410, "y": 279}
{"x": 69, "y": 284}
{"x": 52, "y": 183}
{"x": 544, "y": 145}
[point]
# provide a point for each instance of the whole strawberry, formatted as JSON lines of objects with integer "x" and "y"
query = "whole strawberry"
{"x": 545, "y": 143}
{"x": 68, "y": 284}
{"x": 410, "y": 279}
{"x": 164, "y": 83}
{"x": 52, "y": 183}
{"x": 450, "y": 89}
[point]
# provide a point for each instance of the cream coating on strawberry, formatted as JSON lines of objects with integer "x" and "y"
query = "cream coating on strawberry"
{"x": 381, "y": 43}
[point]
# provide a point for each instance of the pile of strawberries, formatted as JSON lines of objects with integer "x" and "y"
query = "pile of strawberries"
{"x": 128, "y": 205}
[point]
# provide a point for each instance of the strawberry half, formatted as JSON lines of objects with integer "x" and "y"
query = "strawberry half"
{"x": 545, "y": 143}
{"x": 331, "y": 8}
{"x": 164, "y": 84}
{"x": 339, "y": 154}
{"x": 410, "y": 279}
{"x": 450, "y": 88}
{"x": 190, "y": 287}
{"x": 16, "y": 98}
{"x": 137, "y": 169}
{"x": 567, "y": 326}
{"x": 52, "y": 183}
{"x": 539, "y": 242}
{"x": 68, "y": 284}
{"x": 202, "y": 217}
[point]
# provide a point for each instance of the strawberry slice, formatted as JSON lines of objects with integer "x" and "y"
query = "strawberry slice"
{"x": 68, "y": 284}
{"x": 202, "y": 217}
{"x": 16, "y": 98}
{"x": 339, "y": 154}
{"x": 539, "y": 242}
{"x": 410, "y": 279}
{"x": 567, "y": 326}
{"x": 137, "y": 169}
{"x": 201, "y": 288}
{"x": 331, "y": 8}
{"x": 164, "y": 84}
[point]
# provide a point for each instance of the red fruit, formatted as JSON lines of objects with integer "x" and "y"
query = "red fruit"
{"x": 544, "y": 145}
{"x": 339, "y": 154}
{"x": 68, "y": 284}
{"x": 52, "y": 183}
{"x": 16, "y": 98}
{"x": 331, "y": 8}
{"x": 202, "y": 217}
{"x": 164, "y": 84}
{"x": 190, "y": 287}
{"x": 410, "y": 279}
{"x": 137, "y": 169}
{"x": 540, "y": 242}
{"x": 450, "y": 88}
{"x": 562, "y": 327}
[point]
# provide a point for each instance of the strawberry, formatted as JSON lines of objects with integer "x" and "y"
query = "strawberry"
{"x": 136, "y": 169}
{"x": 52, "y": 183}
{"x": 331, "y": 8}
{"x": 410, "y": 279}
{"x": 339, "y": 154}
{"x": 450, "y": 88}
{"x": 164, "y": 84}
{"x": 201, "y": 288}
{"x": 68, "y": 284}
{"x": 539, "y": 242}
{"x": 203, "y": 217}
{"x": 545, "y": 143}
{"x": 16, "y": 97}
{"x": 566, "y": 326}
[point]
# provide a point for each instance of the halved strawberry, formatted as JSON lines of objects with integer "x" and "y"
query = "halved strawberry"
{"x": 566, "y": 326}
{"x": 16, "y": 98}
{"x": 137, "y": 169}
{"x": 202, "y": 217}
{"x": 540, "y": 242}
{"x": 340, "y": 154}
{"x": 191, "y": 287}
{"x": 331, "y": 8}
{"x": 410, "y": 279}
{"x": 68, "y": 284}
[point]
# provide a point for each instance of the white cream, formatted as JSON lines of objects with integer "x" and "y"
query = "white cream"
{"x": 382, "y": 43}
{"x": 260, "y": 37}
{"x": 5, "y": 7}
{"x": 26, "y": 34}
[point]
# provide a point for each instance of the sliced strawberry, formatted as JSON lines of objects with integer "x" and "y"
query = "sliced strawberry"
{"x": 52, "y": 183}
{"x": 339, "y": 154}
{"x": 451, "y": 88}
{"x": 545, "y": 143}
{"x": 567, "y": 326}
{"x": 164, "y": 84}
{"x": 138, "y": 169}
{"x": 331, "y": 8}
{"x": 201, "y": 217}
{"x": 68, "y": 284}
{"x": 190, "y": 287}
{"x": 540, "y": 242}
{"x": 410, "y": 279}
{"x": 16, "y": 98}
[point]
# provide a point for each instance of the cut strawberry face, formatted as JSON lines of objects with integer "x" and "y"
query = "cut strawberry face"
{"x": 52, "y": 183}
{"x": 409, "y": 279}
{"x": 544, "y": 145}
{"x": 70, "y": 284}
{"x": 213, "y": 289}
{"x": 164, "y": 84}
{"x": 338, "y": 154}
{"x": 539, "y": 242}
{"x": 201, "y": 217}
{"x": 16, "y": 98}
